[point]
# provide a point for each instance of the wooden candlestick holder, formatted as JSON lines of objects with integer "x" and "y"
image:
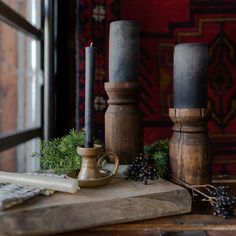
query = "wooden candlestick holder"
{"x": 123, "y": 121}
{"x": 91, "y": 173}
{"x": 190, "y": 146}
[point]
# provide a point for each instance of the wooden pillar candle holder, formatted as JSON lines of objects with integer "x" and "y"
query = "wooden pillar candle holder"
{"x": 123, "y": 121}
{"x": 190, "y": 146}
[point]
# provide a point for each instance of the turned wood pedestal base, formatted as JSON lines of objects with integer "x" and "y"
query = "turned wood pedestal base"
{"x": 190, "y": 146}
{"x": 123, "y": 121}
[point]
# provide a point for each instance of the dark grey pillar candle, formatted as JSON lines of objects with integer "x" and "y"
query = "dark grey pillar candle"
{"x": 89, "y": 94}
{"x": 123, "y": 51}
{"x": 190, "y": 75}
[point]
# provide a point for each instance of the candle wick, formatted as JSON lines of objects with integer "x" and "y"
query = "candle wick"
{"x": 91, "y": 44}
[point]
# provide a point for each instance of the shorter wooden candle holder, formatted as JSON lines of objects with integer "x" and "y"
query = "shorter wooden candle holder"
{"x": 190, "y": 146}
{"x": 91, "y": 173}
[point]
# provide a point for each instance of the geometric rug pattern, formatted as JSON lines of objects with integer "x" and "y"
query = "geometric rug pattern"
{"x": 163, "y": 25}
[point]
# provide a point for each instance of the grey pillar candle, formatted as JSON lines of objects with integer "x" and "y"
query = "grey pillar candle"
{"x": 89, "y": 94}
{"x": 190, "y": 75}
{"x": 123, "y": 51}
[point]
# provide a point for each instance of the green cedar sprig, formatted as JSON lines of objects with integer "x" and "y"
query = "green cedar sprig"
{"x": 59, "y": 155}
{"x": 160, "y": 153}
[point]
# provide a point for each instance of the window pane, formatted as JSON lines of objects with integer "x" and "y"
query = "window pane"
{"x": 20, "y": 80}
{"x": 8, "y": 160}
{"x": 29, "y": 9}
{"x": 19, "y": 159}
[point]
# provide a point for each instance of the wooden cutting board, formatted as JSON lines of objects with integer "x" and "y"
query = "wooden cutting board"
{"x": 120, "y": 201}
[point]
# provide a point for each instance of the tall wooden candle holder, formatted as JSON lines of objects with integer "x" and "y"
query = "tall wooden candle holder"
{"x": 190, "y": 146}
{"x": 123, "y": 120}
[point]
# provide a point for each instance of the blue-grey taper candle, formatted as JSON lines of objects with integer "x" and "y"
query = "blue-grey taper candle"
{"x": 190, "y": 75}
{"x": 123, "y": 51}
{"x": 89, "y": 94}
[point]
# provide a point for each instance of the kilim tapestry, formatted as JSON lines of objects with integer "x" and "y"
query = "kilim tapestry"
{"x": 164, "y": 24}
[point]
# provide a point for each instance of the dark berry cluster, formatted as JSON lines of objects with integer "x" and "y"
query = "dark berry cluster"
{"x": 224, "y": 202}
{"x": 143, "y": 168}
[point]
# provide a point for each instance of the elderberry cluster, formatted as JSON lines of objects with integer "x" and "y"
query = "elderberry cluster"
{"x": 224, "y": 202}
{"x": 142, "y": 168}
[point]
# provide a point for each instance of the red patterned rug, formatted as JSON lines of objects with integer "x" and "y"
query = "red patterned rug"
{"x": 164, "y": 24}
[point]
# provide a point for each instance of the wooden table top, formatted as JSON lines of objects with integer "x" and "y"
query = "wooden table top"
{"x": 199, "y": 222}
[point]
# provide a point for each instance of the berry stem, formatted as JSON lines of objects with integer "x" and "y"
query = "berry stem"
{"x": 222, "y": 201}
{"x": 194, "y": 188}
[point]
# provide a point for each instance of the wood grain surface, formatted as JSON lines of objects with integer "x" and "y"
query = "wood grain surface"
{"x": 199, "y": 222}
{"x": 120, "y": 201}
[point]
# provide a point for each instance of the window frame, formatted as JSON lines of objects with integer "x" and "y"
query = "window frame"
{"x": 44, "y": 36}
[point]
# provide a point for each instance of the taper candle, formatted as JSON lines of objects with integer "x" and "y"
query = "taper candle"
{"x": 38, "y": 181}
{"x": 190, "y": 75}
{"x": 90, "y": 53}
{"x": 123, "y": 51}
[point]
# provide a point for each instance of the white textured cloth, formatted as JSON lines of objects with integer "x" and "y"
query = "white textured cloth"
{"x": 12, "y": 194}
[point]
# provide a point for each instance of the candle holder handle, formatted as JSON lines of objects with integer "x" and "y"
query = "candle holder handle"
{"x": 109, "y": 155}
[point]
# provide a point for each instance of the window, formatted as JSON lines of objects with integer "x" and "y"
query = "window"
{"x": 22, "y": 82}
